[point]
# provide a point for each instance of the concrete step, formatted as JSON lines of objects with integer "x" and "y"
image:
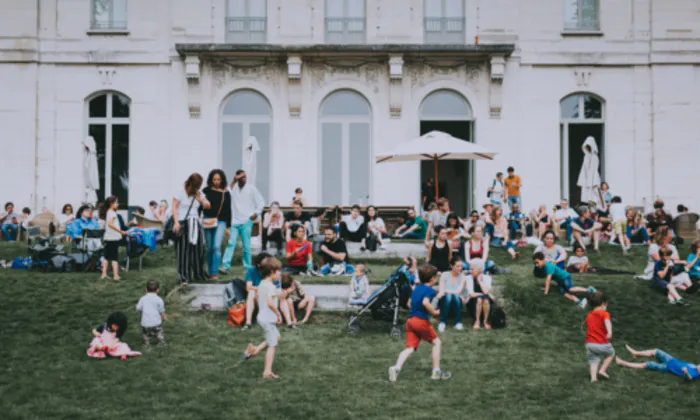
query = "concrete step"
{"x": 393, "y": 250}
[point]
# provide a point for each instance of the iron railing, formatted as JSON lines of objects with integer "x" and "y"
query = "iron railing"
{"x": 444, "y": 30}
{"x": 107, "y": 25}
{"x": 246, "y": 30}
{"x": 345, "y": 31}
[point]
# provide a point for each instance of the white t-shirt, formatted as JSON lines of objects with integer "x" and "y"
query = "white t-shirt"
{"x": 353, "y": 224}
{"x": 185, "y": 204}
{"x": 617, "y": 212}
{"x": 497, "y": 186}
{"x": 438, "y": 219}
{"x": 63, "y": 219}
{"x": 576, "y": 260}
{"x": 376, "y": 224}
{"x": 563, "y": 214}
{"x": 266, "y": 290}
{"x": 110, "y": 233}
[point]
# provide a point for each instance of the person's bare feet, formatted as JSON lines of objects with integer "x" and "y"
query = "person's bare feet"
{"x": 270, "y": 375}
{"x": 214, "y": 278}
{"x": 117, "y": 278}
{"x": 304, "y": 321}
{"x": 603, "y": 374}
{"x": 632, "y": 351}
{"x": 105, "y": 278}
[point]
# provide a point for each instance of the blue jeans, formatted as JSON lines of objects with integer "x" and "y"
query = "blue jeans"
{"x": 488, "y": 230}
{"x": 449, "y": 301}
{"x": 642, "y": 234}
{"x": 214, "y": 238}
{"x": 566, "y": 224}
{"x": 244, "y": 231}
{"x": 513, "y": 227}
{"x": 662, "y": 357}
{"x": 413, "y": 235}
{"x": 488, "y": 266}
{"x": 9, "y": 231}
{"x": 501, "y": 243}
{"x": 514, "y": 200}
{"x": 326, "y": 269}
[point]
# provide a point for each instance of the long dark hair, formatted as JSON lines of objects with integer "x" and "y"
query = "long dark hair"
{"x": 376, "y": 213}
{"x": 105, "y": 208}
{"x": 118, "y": 318}
{"x": 210, "y": 178}
{"x": 193, "y": 184}
{"x": 81, "y": 209}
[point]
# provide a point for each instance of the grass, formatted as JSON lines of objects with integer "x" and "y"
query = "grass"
{"x": 535, "y": 368}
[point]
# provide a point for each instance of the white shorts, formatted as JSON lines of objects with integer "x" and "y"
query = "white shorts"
{"x": 681, "y": 279}
{"x": 272, "y": 335}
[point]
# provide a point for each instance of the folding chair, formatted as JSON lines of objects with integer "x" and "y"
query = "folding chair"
{"x": 91, "y": 247}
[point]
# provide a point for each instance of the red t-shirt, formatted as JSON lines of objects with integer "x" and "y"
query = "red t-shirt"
{"x": 596, "y": 332}
{"x": 302, "y": 257}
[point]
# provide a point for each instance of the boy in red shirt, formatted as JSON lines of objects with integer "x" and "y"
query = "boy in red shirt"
{"x": 418, "y": 325}
{"x": 598, "y": 335}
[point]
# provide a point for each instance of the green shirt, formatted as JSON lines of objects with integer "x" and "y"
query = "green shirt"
{"x": 422, "y": 226}
{"x": 556, "y": 272}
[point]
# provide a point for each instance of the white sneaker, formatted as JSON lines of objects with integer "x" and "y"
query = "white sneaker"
{"x": 582, "y": 303}
{"x": 382, "y": 247}
{"x": 393, "y": 374}
{"x": 459, "y": 327}
{"x": 441, "y": 327}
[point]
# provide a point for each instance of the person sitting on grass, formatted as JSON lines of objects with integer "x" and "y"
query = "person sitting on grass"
{"x": 418, "y": 326}
{"x": 479, "y": 289}
{"x": 667, "y": 363}
{"x": 487, "y": 220}
{"x": 693, "y": 262}
{"x": 359, "y": 286}
{"x": 586, "y": 230}
{"x": 578, "y": 263}
{"x": 500, "y": 238}
{"x": 299, "y": 255}
{"x": 562, "y": 279}
{"x": 553, "y": 252}
{"x": 598, "y": 335}
{"x": 414, "y": 227}
{"x": 439, "y": 251}
{"x": 636, "y": 231}
{"x": 477, "y": 248}
{"x": 252, "y": 282}
{"x": 438, "y": 217}
{"x": 664, "y": 279}
{"x": 541, "y": 221}
{"x": 471, "y": 223}
{"x": 268, "y": 315}
{"x": 107, "y": 339}
{"x": 563, "y": 218}
{"x": 293, "y": 298}
{"x": 334, "y": 254}
{"x": 452, "y": 284}
{"x": 517, "y": 222}
{"x": 618, "y": 214}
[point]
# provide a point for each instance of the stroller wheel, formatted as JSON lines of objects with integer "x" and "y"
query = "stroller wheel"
{"x": 395, "y": 331}
{"x": 354, "y": 327}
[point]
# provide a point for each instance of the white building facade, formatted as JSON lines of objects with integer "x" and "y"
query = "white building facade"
{"x": 171, "y": 87}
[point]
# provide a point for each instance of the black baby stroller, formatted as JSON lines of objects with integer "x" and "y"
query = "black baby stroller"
{"x": 384, "y": 304}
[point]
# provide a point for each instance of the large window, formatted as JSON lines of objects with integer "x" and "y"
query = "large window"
{"x": 246, "y": 21}
{"x": 345, "y": 21}
{"x": 444, "y": 22}
{"x": 108, "y": 14}
{"x": 581, "y": 15}
{"x": 247, "y": 114}
{"x": 346, "y": 134}
{"x": 108, "y": 124}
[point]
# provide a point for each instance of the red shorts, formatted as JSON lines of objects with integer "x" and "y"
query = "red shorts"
{"x": 418, "y": 329}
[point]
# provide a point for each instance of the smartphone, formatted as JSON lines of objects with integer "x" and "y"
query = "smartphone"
{"x": 303, "y": 248}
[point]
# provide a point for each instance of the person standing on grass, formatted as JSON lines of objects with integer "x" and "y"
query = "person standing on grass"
{"x": 563, "y": 280}
{"x": 112, "y": 236}
{"x": 217, "y": 219}
{"x": 246, "y": 206}
{"x": 598, "y": 335}
{"x": 495, "y": 192}
{"x": 189, "y": 246}
{"x": 268, "y": 315}
{"x": 418, "y": 326}
{"x": 152, "y": 310}
{"x": 512, "y": 188}
{"x": 668, "y": 363}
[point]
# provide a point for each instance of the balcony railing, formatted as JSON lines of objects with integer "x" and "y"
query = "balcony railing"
{"x": 444, "y": 31}
{"x": 246, "y": 30}
{"x": 100, "y": 25}
{"x": 345, "y": 31}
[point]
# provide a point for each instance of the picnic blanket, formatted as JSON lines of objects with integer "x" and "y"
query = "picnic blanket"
{"x": 108, "y": 345}
{"x": 146, "y": 236}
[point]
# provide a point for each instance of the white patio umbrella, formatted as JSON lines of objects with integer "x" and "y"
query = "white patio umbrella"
{"x": 589, "y": 177}
{"x": 435, "y": 146}
{"x": 250, "y": 158}
{"x": 91, "y": 174}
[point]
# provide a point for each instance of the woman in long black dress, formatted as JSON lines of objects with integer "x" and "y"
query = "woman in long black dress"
{"x": 187, "y": 225}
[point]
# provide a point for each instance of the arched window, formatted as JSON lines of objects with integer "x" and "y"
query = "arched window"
{"x": 108, "y": 123}
{"x": 346, "y": 135}
{"x": 581, "y": 115}
{"x": 445, "y": 105}
{"x": 247, "y": 113}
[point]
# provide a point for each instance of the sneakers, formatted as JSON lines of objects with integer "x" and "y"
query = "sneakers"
{"x": 582, "y": 303}
{"x": 393, "y": 374}
{"x": 591, "y": 289}
{"x": 459, "y": 327}
{"x": 382, "y": 247}
{"x": 441, "y": 327}
{"x": 441, "y": 375}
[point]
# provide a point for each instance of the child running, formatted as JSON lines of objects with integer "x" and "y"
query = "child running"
{"x": 598, "y": 335}
{"x": 268, "y": 315}
{"x": 563, "y": 280}
{"x": 667, "y": 363}
{"x": 418, "y": 325}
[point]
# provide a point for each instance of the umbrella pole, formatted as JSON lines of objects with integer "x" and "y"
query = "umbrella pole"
{"x": 435, "y": 170}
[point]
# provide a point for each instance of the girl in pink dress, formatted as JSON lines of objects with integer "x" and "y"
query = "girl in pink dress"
{"x": 106, "y": 341}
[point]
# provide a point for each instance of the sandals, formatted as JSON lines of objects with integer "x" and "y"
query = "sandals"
{"x": 476, "y": 326}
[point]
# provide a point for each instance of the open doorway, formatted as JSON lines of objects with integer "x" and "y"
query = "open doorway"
{"x": 578, "y": 133}
{"x": 449, "y": 112}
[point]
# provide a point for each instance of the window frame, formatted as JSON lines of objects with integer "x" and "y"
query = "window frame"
{"x": 346, "y": 34}
{"x": 247, "y": 18}
{"x": 444, "y": 27}
{"x": 112, "y": 27}
{"x": 580, "y": 28}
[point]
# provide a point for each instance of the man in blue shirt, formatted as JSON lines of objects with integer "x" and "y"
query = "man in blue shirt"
{"x": 585, "y": 229}
{"x": 517, "y": 221}
{"x": 562, "y": 278}
{"x": 667, "y": 363}
{"x": 418, "y": 325}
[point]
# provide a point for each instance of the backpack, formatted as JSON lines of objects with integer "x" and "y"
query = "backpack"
{"x": 234, "y": 293}
{"x": 488, "y": 193}
{"x": 498, "y": 317}
{"x": 371, "y": 243}
{"x": 63, "y": 264}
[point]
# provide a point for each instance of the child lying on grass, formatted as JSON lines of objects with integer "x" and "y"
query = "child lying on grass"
{"x": 667, "y": 363}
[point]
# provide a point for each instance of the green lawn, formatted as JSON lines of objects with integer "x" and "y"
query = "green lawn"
{"x": 535, "y": 368}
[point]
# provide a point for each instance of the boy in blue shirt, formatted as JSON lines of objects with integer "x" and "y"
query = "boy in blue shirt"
{"x": 562, "y": 278}
{"x": 418, "y": 325}
{"x": 667, "y": 363}
{"x": 586, "y": 229}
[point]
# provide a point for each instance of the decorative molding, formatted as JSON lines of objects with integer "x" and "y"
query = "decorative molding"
{"x": 294, "y": 63}
{"x": 498, "y": 72}
{"x": 294, "y": 67}
{"x": 498, "y": 67}
{"x": 194, "y": 110}
{"x": 194, "y": 90}
{"x": 323, "y": 72}
{"x": 268, "y": 71}
{"x": 106, "y": 75}
{"x": 582, "y": 77}
{"x": 395, "y": 85}
{"x": 396, "y": 67}
{"x": 192, "y": 67}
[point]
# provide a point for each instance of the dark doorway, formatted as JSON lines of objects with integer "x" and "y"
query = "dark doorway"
{"x": 454, "y": 175}
{"x": 577, "y": 136}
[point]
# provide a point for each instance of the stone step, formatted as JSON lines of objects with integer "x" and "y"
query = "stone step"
{"x": 393, "y": 250}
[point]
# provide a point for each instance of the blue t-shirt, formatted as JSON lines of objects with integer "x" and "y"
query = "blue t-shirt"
{"x": 695, "y": 269}
{"x": 661, "y": 266}
{"x": 419, "y": 293}
{"x": 252, "y": 274}
{"x": 585, "y": 224}
{"x": 556, "y": 272}
{"x": 676, "y": 366}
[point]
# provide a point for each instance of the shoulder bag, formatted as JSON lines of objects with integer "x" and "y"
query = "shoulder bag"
{"x": 212, "y": 222}
{"x": 183, "y": 225}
